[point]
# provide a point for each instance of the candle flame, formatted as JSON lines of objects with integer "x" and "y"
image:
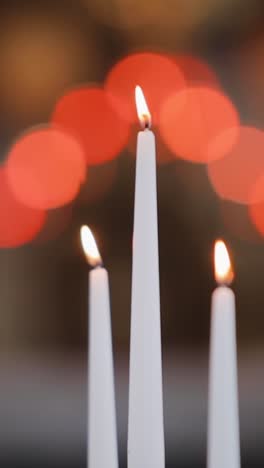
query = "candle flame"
{"x": 89, "y": 246}
{"x": 142, "y": 108}
{"x": 223, "y": 269}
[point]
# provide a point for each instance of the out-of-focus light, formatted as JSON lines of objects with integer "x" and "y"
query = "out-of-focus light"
{"x": 157, "y": 74}
{"x": 143, "y": 113}
{"x": 238, "y": 222}
{"x": 234, "y": 176}
{"x": 223, "y": 268}
{"x": 19, "y": 224}
{"x": 90, "y": 247}
{"x": 192, "y": 118}
{"x": 257, "y": 192}
{"x": 88, "y": 114}
{"x": 196, "y": 72}
{"x": 100, "y": 180}
{"x": 45, "y": 168}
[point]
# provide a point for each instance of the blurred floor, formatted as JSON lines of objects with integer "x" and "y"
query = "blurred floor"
{"x": 43, "y": 409}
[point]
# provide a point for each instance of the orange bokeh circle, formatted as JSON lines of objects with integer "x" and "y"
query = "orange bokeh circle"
{"x": 19, "y": 224}
{"x": 234, "y": 177}
{"x": 157, "y": 74}
{"x": 88, "y": 114}
{"x": 192, "y": 118}
{"x": 45, "y": 168}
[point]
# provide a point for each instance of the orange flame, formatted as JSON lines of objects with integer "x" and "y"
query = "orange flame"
{"x": 142, "y": 108}
{"x": 223, "y": 269}
{"x": 89, "y": 246}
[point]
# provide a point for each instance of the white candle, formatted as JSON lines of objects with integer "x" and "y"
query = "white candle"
{"x": 102, "y": 437}
{"x": 145, "y": 418}
{"x": 223, "y": 449}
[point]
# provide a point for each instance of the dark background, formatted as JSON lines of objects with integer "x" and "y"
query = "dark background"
{"x": 45, "y": 47}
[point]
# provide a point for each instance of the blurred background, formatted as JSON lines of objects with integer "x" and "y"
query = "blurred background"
{"x": 67, "y": 138}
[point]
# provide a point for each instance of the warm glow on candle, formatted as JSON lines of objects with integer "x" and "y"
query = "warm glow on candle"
{"x": 89, "y": 246}
{"x": 223, "y": 268}
{"x": 142, "y": 108}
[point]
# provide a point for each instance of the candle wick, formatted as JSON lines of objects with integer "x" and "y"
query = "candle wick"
{"x": 145, "y": 122}
{"x": 98, "y": 265}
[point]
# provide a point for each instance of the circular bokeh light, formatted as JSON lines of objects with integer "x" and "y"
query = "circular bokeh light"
{"x": 19, "y": 224}
{"x": 192, "y": 118}
{"x": 234, "y": 176}
{"x": 88, "y": 114}
{"x": 45, "y": 168}
{"x": 158, "y": 76}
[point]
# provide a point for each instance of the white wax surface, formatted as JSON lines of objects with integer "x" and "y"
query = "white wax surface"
{"x": 102, "y": 439}
{"x": 145, "y": 422}
{"x": 223, "y": 449}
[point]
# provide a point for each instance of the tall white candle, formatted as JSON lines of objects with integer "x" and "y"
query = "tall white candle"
{"x": 145, "y": 418}
{"x": 223, "y": 449}
{"x": 102, "y": 437}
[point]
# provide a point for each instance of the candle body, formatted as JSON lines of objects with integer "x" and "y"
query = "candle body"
{"x": 102, "y": 438}
{"x": 145, "y": 419}
{"x": 223, "y": 448}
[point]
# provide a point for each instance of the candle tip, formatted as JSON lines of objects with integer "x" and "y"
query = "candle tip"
{"x": 142, "y": 108}
{"x": 89, "y": 247}
{"x": 223, "y": 269}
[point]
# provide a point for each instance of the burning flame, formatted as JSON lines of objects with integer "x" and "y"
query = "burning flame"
{"x": 223, "y": 269}
{"x": 89, "y": 246}
{"x": 142, "y": 108}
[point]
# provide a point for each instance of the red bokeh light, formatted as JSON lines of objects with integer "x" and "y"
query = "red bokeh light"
{"x": 192, "y": 118}
{"x": 19, "y": 224}
{"x": 45, "y": 168}
{"x": 234, "y": 176}
{"x": 88, "y": 114}
{"x": 196, "y": 71}
{"x": 257, "y": 192}
{"x": 158, "y": 76}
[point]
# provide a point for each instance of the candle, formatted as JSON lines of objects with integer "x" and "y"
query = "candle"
{"x": 145, "y": 418}
{"x": 223, "y": 449}
{"x": 102, "y": 438}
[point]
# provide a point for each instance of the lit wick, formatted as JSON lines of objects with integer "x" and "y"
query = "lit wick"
{"x": 142, "y": 109}
{"x": 223, "y": 269}
{"x": 90, "y": 248}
